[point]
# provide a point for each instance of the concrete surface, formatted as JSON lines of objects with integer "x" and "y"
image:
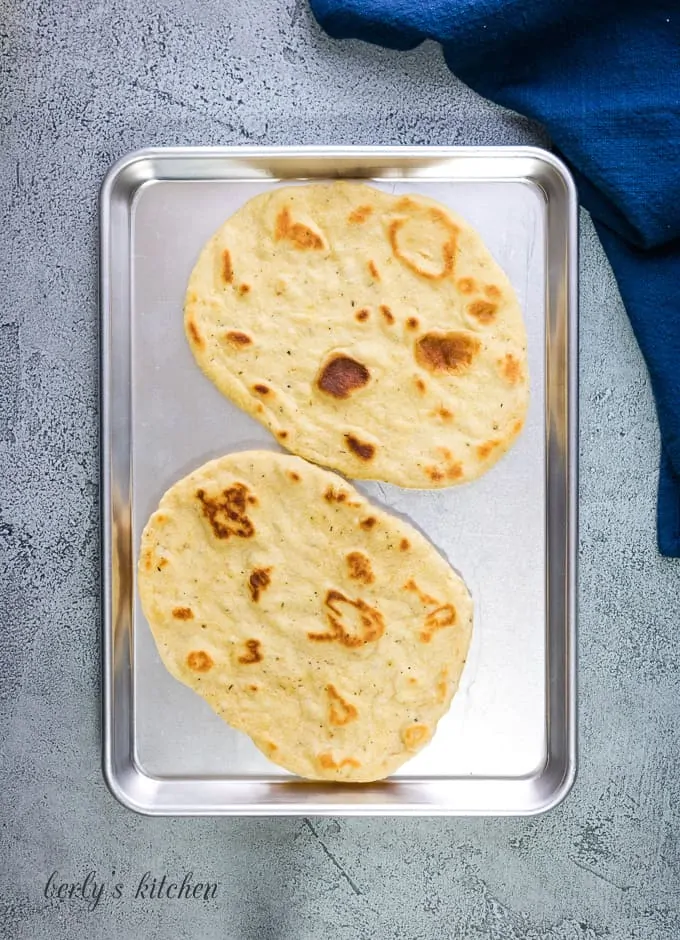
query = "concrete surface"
{"x": 83, "y": 82}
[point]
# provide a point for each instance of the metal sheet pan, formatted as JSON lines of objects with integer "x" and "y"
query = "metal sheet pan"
{"x": 508, "y": 744}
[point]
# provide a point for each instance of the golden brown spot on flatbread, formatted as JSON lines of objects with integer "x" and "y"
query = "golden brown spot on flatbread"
{"x": 282, "y": 434}
{"x": 483, "y": 450}
{"x": 444, "y": 616}
{"x": 259, "y": 581}
{"x": 482, "y": 310}
{"x": 253, "y": 688}
{"x": 368, "y": 625}
{"x": 466, "y": 285}
{"x": 226, "y": 513}
{"x": 295, "y": 477}
{"x": 492, "y": 291}
{"x": 415, "y": 735}
{"x": 424, "y": 598}
{"x": 375, "y": 274}
{"x": 387, "y": 313}
{"x": 300, "y": 235}
{"x": 340, "y": 712}
{"x": 434, "y": 473}
{"x": 362, "y": 315}
{"x": 360, "y": 567}
{"x": 199, "y": 661}
{"x": 183, "y": 613}
{"x": 446, "y": 352}
{"x": 405, "y": 203}
{"x": 195, "y": 335}
{"x": 160, "y": 518}
{"x": 360, "y": 214}
{"x": 253, "y": 653}
{"x": 412, "y": 323}
{"x": 448, "y": 247}
{"x": 162, "y": 562}
{"x": 271, "y": 747}
{"x": 362, "y": 449}
{"x": 420, "y": 385}
{"x": 454, "y": 471}
{"x": 327, "y": 763}
{"x": 404, "y": 545}
{"x": 243, "y": 289}
{"x": 341, "y": 376}
{"x": 511, "y": 368}
{"x": 443, "y": 413}
{"x": 236, "y": 338}
{"x": 227, "y": 269}
{"x": 412, "y": 681}
{"x": 332, "y": 497}
{"x": 337, "y": 496}
{"x": 368, "y": 522}
{"x": 147, "y": 559}
{"x": 261, "y": 389}
{"x": 517, "y": 426}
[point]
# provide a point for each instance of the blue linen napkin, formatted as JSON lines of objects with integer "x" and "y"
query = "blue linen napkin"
{"x": 603, "y": 77}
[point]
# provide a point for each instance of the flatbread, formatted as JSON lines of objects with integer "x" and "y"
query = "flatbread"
{"x": 332, "y": 633}
{"x": 371, "y": 333}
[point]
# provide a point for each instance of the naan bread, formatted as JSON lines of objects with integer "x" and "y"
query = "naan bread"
{"x": 371, "y": 333}
{"x": 329, "y": 631}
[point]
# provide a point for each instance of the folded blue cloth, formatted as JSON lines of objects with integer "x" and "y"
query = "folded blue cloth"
{"x": 603, "y": 77}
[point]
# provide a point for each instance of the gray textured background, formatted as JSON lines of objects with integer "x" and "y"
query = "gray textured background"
{"x": 83, "y": 82}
